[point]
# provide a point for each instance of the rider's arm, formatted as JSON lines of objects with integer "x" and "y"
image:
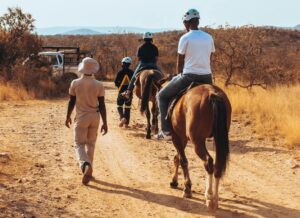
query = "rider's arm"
{"x": 182, "y": 47}
{"x": 211, "y": 59}
{"x": 131, "y": 83}
{"x": 132, "y": 80}
{"x": 156, "y": 54}
{"x": 180, "y": 63}
{"x": 139, "y": 53}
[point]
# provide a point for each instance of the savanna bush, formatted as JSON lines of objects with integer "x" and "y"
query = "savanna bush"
{"x": 245, "y": 56}
{"x": 17, "y": 42}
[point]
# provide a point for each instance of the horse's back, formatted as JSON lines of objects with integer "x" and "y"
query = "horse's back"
{"x": 141, "y": 81}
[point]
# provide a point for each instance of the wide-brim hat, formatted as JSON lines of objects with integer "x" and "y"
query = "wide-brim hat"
{"x": 88, "y": 66}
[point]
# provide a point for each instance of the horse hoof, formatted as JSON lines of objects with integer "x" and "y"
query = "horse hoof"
{"x": 187, "y": 194}
{"x": 148, "y": 136}
{"x": 174, "y": 184}
{"x": 211, "y": 206}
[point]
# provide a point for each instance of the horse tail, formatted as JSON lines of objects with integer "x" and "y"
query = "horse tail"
{"x": 220, "y": 134}
{"x": 146, "y": 92}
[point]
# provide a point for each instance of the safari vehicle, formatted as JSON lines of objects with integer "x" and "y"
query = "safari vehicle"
{"x": 63, "y": 60}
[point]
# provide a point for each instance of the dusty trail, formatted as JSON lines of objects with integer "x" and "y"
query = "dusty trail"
{"x": 41, "y": 177}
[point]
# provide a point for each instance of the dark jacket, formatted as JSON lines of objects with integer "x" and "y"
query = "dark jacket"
{"x": 120, "y": 76}
{"x": 147, "y": 53}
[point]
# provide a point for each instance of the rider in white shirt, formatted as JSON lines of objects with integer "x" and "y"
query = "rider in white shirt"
{"x": 193, "y": 65}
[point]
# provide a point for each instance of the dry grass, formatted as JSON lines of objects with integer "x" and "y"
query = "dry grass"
{"x": 13, "y": 93}
{"x": 275, "y": 111}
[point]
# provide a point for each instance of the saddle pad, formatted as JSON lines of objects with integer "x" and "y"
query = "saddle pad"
{"x": 147, "y": 68}
{"x": 177, "y": 97}
{"x": 158, "y": 75}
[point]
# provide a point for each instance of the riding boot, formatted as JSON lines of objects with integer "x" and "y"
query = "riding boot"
{"x": 120, "y": 111}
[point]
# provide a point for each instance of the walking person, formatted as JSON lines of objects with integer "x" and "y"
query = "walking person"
{"x": 87, "y": 95}
{"x": 193, "y": 65}
{"x": 122, "y": 81}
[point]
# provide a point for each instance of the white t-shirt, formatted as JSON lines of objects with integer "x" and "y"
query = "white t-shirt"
{"x": 197, "y": 47}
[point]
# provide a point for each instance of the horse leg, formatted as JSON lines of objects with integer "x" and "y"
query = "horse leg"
{"x": 216, "y": 193}
{"x": 201, "y": 151}
{"x": 187, "y": 192}
{"x": 153, "y": 116}
{"x": 180, "y": 145}
{"x": 174, "y": 182}
{"x": 154, "y": 111}
{"x": 217, "y": 177}
{"x": 156, "y": 118}
{"x": 148, "y": 136}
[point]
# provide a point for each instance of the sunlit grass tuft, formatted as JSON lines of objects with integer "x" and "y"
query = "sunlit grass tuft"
{"x": 14, "y": 93}
{"x": 275, "y": 111}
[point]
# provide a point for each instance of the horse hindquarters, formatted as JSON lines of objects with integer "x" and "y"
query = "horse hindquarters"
{"x": 148, "y": 78}
{"x": 209, "y": 118}
{"x": 146, "y": 90}
{"x": 146, "y": 83}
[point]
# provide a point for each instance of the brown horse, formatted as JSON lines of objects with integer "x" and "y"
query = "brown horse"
{"x": 146, "y": 88}
{"x": 203, "y": 112}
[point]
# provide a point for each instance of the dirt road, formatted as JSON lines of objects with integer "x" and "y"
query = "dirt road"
{"x": 39, "y": 176}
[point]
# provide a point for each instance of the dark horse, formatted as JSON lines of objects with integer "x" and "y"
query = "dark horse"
{"x": 203, "y": 112}
{"x": 146, "y": 90}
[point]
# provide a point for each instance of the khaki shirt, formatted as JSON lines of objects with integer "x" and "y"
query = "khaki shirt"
{"x": 87, "y": 90}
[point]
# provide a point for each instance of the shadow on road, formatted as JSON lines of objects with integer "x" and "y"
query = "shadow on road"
{"x": 240, "y": 207}
{"x": 241, "y": 147}
{"x": 193, "y": 206}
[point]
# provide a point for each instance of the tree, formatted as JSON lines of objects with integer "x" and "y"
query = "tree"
{"x": 16, "y": 38}
{"x": 16, "y": 23}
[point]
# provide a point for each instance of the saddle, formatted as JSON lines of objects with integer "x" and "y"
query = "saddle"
{"x": 158, "y": 75}
{"x": 174, "y": 101}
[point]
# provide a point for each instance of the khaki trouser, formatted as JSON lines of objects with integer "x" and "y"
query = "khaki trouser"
{"x": 85, "y": 132}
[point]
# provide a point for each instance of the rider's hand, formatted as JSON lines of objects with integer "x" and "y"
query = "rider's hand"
{"x": 127, "y": 94}
{"x": 68, "y": 122}
{"x": 104, "y": 129}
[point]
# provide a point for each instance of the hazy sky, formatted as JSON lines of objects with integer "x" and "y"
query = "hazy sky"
{"x": 157, "y": 13}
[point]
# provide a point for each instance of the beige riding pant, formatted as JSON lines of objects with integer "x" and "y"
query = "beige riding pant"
{"x": 85, "y": 132}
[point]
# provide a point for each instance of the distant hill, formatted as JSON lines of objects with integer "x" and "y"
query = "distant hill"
{"x": 297, "y": 27}
{"x": 95, "y": 30}
{"x": 81, "y": 32}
